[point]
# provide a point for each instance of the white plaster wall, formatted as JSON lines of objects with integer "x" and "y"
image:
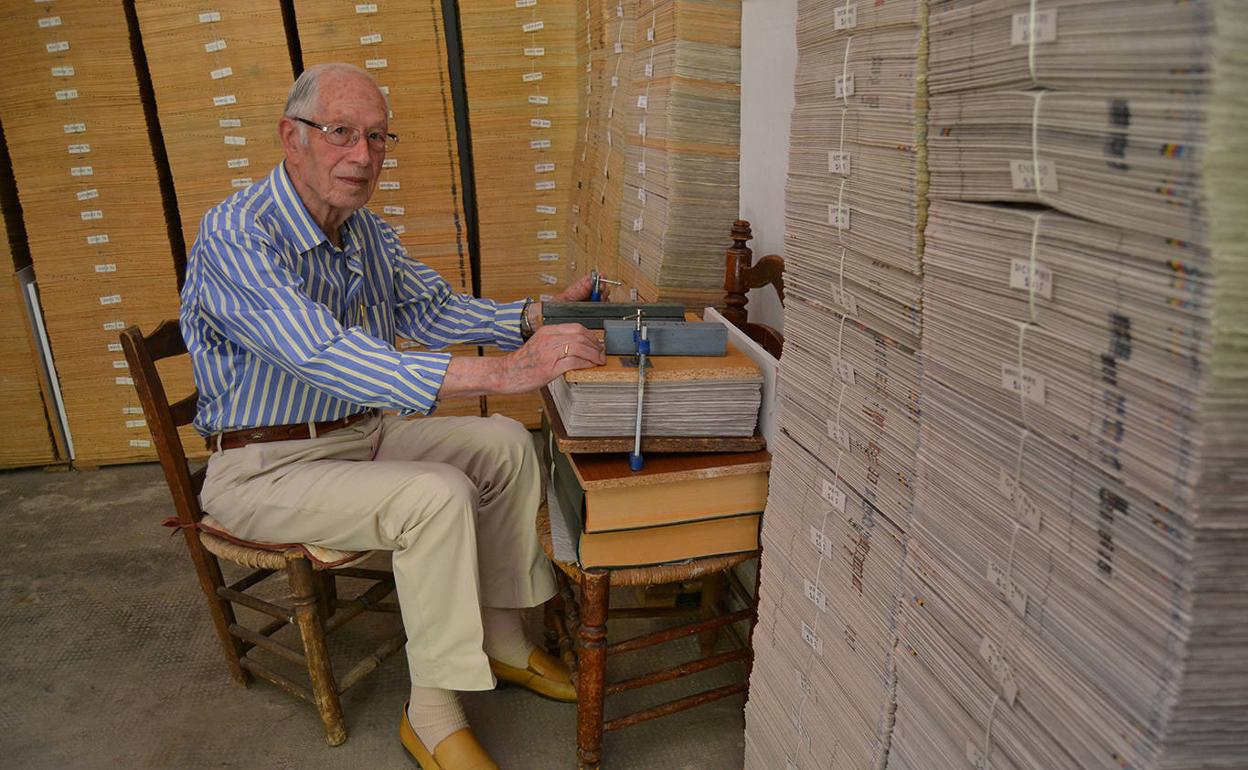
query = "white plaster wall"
{"x": 768, "y": 64}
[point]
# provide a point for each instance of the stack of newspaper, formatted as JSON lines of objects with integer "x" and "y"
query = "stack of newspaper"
{"x": 842, "y": 488}
{"x": 1076, "y": 582}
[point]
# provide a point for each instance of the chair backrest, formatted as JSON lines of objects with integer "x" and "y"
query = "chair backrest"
{"x": 164, "y": 418}
{"x": 741, "y": 274}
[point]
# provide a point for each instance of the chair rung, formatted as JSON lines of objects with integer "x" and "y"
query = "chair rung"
{"x": 353, "y": 607}
{"x": 672, "y": 707}
{"x": 257, "y": 639}
{"x": 268, "y": 629}
{"x": 259, "y": 605}
{"x": 262, "y": 671}
{"x": 363, "y": 573}
{"x": 684, "y": 669}
{"x": 370, "y": 663}
{"x": 652, "y": 612}
{"x": 668, "y": 634}
{"x": 250, "y": 580}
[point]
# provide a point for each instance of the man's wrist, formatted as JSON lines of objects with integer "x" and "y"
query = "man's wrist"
{"x": 526, "y": 325}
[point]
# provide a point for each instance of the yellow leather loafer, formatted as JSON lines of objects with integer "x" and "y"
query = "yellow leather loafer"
{"x": 545, "y": 675}
{"x": 457, "y": 751}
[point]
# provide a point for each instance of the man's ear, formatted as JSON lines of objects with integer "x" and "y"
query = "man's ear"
{"x": 288, "y": 132}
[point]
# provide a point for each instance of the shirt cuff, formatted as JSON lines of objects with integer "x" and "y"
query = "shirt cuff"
{"x": 507, "y": 325}
{"x": 420, "y": 378}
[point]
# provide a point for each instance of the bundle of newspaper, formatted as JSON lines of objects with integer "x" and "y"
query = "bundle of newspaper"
{"x": 842, "y": 479}
{"x": 1077, "y": 573}
{"x": 680, "y": 184}
{"x": 822, "y": 689}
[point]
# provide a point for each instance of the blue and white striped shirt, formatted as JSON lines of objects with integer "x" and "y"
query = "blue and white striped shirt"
{"x": 284, "y": 327}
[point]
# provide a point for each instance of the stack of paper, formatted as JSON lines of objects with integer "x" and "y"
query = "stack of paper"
{"x": 843, "y": 486}
{"x": 220, "y": 78}
{"x": 94, "y": 210}
{"x": 683, "y": 131}
{"x": 1077, "y": 581}
{"x": 403, "y": 44}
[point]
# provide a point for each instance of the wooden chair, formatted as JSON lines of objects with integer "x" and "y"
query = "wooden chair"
{"x": 583, "y": 618}
{"x": 315, "y": 609}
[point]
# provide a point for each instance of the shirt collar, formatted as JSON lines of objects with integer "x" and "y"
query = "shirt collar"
{"x": 296, "y": 221}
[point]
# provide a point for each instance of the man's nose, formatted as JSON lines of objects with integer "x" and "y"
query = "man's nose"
{"x": 360, "y": 153}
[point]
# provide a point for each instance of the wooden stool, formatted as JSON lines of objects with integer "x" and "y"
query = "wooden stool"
{"x": 586, "y": 619}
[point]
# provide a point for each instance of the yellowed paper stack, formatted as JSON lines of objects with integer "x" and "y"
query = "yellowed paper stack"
{"x": 220, "y": 77}
{"x": 94, "y": 212}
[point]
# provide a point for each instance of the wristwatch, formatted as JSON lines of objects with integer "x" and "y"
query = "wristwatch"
{"x": 526, "y": 327}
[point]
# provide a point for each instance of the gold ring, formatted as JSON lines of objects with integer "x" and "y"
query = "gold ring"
{"x": 565, "y": 351}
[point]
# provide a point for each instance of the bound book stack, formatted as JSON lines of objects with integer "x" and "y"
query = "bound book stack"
{"x": 851, "y": 379}
{"x": 680, "y": 177}
{"x": 94, "y": 211}
{"x": 606, "y": 33}
{"x": 402, "y": 43}
{"x": 1078, "y": 545}
{"x": 220, "y": 78}
{"x": 680, "y": 506}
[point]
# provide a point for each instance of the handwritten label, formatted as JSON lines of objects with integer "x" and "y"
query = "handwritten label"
{"x": 526, "y": 3}
{"x": 81, "y": 171}
{"x": 548, "y": 256}
{"x": 1007, "y": 588}
{"x": 1045, "y": 25}
{"x": 372, "y": 39}
{"x": 387, "y": 185}
{"x": 845, "y": 17}
{"x": 845, "y": 300}
{"x": 544, "y": 186}
{"x": 58, "y": 46}
{"x": 533, "y": 26}
{"x": 844, "y": 370}
{"x": 124, "y": 380}
{"x": 839, "y": 434}
{"x": 531, "y": 77}
{"x": 366, "y": 8}
{"x": 75, "y": 128}
{"x": 87, "y": 195}
{"x": 539, "y": 123}
{"x": 844, "y": 86}
{"x": 547, "y": 278}
{"x": 1022, "y": 277}
{"x": 1028, "y": 382}
{"x": 111, "y": 299}
{"x": 1023, "y": 176}
{"x": 107, "y": 267}
{"x": 230, "y": 123}
{"x": 1001, "y": 670}
{"x": 49, "y": 21}
{"x": 832, "y": 495}
{"x": 547, "y": 235}
{"x": 139, "y": 443}
{"x": 79, "y": 149}
{"x": 235, "y": 141}
{"x": 120, "y": 364}
{"x": 394, "y": 211}
{"x": 543, "y": 168}
{"x": 64, "y": 71}
{"x": 838, "y": 162}
{"x": 534, "y": 51}
{"x": 643, "y": 101}
{"x": 816, "y": 597}
{"x": 91, "y": 215}
{"x": 131, "y": 409}
{"x": 376, "y": 64}
{"x": 240, "y": 182}
{"x": 1024, "y": 506}
{"x": 812, "y": 639}
{"x": 538, "y": 99}
{"x": 223, "y": 72}
{"x": 539, "y": 144}
{"x": 547, "y": 210}
{"x": 209, "y": 16}
{"x": 98, "y": 240}
{"x": 838, "y": 216}
{"x": 390, "y": 163}
{"x": 136, "y": 423}
{"x": 224, "y": 101}
{"x": 238, "y": 163}
{"x": 114, "y": 326}
{"x": 66, "y": 94}
{"x": 215, "y": 46}
{"x": 115, "y": 347}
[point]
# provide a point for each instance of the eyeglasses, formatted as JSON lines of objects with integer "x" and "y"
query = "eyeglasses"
{"x": 346, "y": 136}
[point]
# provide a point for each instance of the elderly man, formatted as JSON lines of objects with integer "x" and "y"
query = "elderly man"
{"x": 294, "y": 292}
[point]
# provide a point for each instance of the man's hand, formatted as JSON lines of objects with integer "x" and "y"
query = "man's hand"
{"x": 579, "y": 291}
{"x": 551, "y": 351}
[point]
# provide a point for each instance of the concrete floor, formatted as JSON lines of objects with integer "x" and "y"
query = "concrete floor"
{"x": 110, "y": 661}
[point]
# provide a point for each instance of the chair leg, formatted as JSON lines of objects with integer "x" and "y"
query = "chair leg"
{"x": 591, "y": 650}
{"x": 326, "y": 594}
{"x": 305, "y": 600}
{"x": 208, "y": 570}
{"x": 712, "y": 592}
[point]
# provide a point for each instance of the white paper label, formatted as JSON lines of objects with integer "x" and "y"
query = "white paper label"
{"x": 209, "y": 17}
{"x": 98, "y": 240}
{"x": 539, "y": 144}
{"x": 649, "y": 70}
{"x": 107, "y": 267}
{"x": 533, "y": 26}
{"x": 111, "y": 299}
{"x": 115, "y": 347}
{"x": 240, "y": 182}
{"x": 543, "y": 168}
{"x": 543, "y": 186}
{"x": 531, "y": 77}
{"x": 230, "y": 122}
{"x": 844, "y": 86}
{"x": 58, "y": 46}
{"x": 639, "y": 224}
{"x": 539, "y": 123}
{"x": 75, "y": 128}
{"x": 1023, "y": 176}
{"x": 124, "y": 380}
{"x": 394, "y": 211}
{"x": 526, "y": 3}
{"x": 832, "y": 495}
{"x": 1030, "y": 383}
{"x": 641, "y": 167}
{"x": 366, "y": 8}
{"x": 91, "y": 215}
{"x": 838, "y": 162}
{"x": 538, "y": 99}
{"x": 64, "y": 71}
{"x": 636, "y": 257}
{"x": 845, "y": 17}
{"x": 641, "y": 195}
{"x": 839, "y": 434}
{"x": 114, "y": 326}
{"x": 619, "y": 47}
{"x": 223, "y": 72}
{"x": 224, "y": 101}
{"x": 79, "y": 149}
{"x": 1025, "y": 507}
{"x": 131, "y": 409}
{"x": 66, "y": 94}
{"x": 844, "y": 370}
{"x": 643, "y": 101}
{"x": 120, "y": 364}
{"x": 235, "y": 141}
{"x": 390, "y": 163}
{"x": 1021, "y": 277}
{"x": 1001, "y": 670}
{"x": 812, "y": 639}
{"x": 136, "y": 423}
{"x": 376, "y": 64}
{"x": 86, "y": 195}
{"x": 547, "y": 278}
{"x": 548, "y": 256}
{"x": 845, "y": 300}
{"x": 214, "y": 46}
{"x": 547, "y": 235}
{"x": 838, "y": 216}
{"x": 547, "y": 210}
{"x": 1007, "y": 589}
{"x": 387, "y": 185}
{"x": 139, "y": 443}
{"x": 238, "y": 163}
{"x": 641, "y": 129}
{"x": 535, "y": 51}
{"x": 399, "y": 229}
{"x": 81, "y": 171}
{"x": 816, "y": 597}
{"x": 650, "y": 34}
{"x": 49, "y": 21}
{"x": 372, "y": 39}
{"x": 1046, "y": 27}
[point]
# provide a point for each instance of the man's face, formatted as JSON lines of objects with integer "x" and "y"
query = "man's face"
{"x": 335, "y": 181}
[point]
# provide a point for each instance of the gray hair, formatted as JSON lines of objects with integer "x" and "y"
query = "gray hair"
{"x": 304, "y": 99}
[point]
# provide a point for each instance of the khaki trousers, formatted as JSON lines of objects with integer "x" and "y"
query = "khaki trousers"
{"x": 454, "y": 498}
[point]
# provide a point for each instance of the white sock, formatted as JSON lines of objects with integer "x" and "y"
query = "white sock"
{"x": 504, "y": 637}
{"x": 435, "y": 713}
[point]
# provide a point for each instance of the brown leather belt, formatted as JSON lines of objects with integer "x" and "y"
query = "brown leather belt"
{"x": 232, "y": 439}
